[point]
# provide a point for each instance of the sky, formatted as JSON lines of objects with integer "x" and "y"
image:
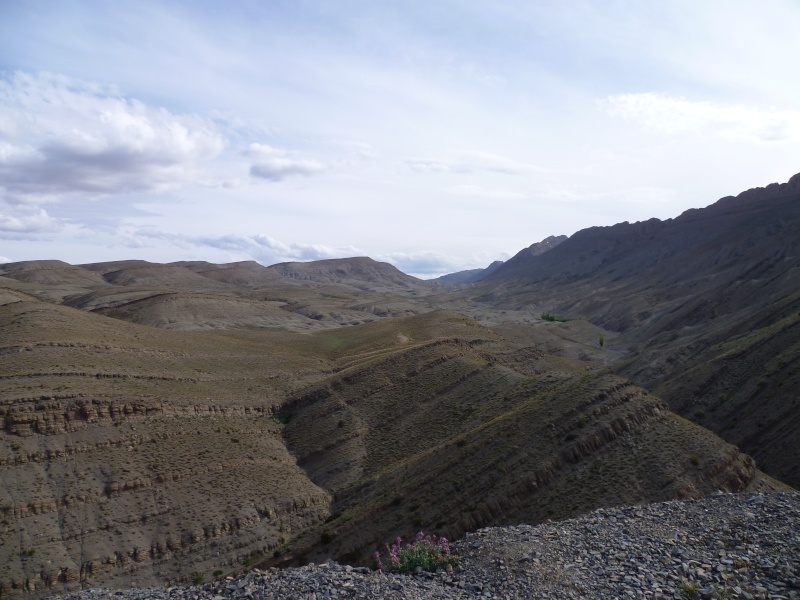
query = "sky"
{"x": 434, "y": 135}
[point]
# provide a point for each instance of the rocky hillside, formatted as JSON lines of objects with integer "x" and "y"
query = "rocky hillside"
{"x": 724, "y": 546}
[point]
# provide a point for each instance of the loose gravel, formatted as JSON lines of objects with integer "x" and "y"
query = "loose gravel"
{"x": 725, "y": 546}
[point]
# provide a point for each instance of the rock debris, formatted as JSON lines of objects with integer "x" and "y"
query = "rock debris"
{"x": 725, "y": 546}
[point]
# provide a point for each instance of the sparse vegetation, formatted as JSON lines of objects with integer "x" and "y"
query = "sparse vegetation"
{"x": 719, "y": 592}
{"x": 252, "y": 558}
{"x": 601, "y": 340}
{"x": 553, "y": 317}
{"x": 695, "y": 460}
{"x": 688, "y": 589}
{"x": 428, "y": 553}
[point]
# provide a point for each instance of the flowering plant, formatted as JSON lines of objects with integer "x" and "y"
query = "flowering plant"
{"x": 427, "y": 552}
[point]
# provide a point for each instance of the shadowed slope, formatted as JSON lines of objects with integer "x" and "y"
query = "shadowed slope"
{"x": 681, "y": 290}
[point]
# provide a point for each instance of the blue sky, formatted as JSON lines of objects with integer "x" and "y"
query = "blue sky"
{"x": 437, "y": 136}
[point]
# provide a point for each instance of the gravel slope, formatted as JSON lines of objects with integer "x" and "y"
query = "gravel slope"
{"x": 725, "y": 546}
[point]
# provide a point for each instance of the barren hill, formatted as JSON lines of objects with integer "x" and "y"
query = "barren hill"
{"x": 362, "y": 273}
{"x": 241, "y": 274}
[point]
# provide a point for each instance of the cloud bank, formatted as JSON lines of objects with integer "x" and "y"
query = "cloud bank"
{"x": 61, "y": 136}
{"x": 471, "y": 162}
{"x": 28, "y": 225}
{"x": 275, "y": 164}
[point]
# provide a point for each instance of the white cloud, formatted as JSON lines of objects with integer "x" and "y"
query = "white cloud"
{"x": 671, "y": 115}
{"x": 27, "y": 226}
{"x": 276, "y": 164}
{"x": 482, "y": 192}
{"x": 69, "y": 136}
{"x": 359, "y": 149}
{"x": 5, "y": 259}
{"x": 472, "y": 162}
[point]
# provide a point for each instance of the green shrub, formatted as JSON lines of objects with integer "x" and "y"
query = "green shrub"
{"x": 688, "y": 589}
{"x": 427, "y": 552}
{"x": 553, "y": 317}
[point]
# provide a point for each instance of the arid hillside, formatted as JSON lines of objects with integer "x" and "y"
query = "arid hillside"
{"x": 186, "y": 439}
{"x": 178, "y": 422}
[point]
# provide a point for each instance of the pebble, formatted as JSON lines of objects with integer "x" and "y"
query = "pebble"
{"x": 663, "y": 551}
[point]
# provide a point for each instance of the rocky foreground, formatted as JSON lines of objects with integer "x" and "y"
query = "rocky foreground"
{"x": 725, "y": 546}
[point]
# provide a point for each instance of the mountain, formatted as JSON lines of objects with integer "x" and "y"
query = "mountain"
{"x": 361, "y": 273}
{"x": 474, "y": 275}
{"x": 707, "y": 307}
{"x": 163, "y": 423}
